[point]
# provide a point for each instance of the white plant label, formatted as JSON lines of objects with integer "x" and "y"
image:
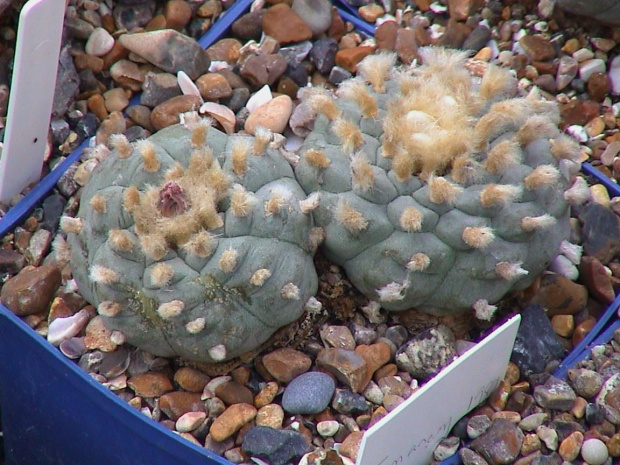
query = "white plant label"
{"x": 32, "y": 94}
{"x": 409, "y": 435}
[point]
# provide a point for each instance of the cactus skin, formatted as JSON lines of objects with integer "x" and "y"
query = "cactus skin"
{"x": 207, "y": 255}
{"x": 437, "y": 192}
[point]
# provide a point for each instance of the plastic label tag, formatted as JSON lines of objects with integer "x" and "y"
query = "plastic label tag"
{"x": 32, "y": 94}
{"x": 409, "y": 435}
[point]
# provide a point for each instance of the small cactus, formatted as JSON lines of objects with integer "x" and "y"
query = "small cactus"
{"x": 193, "y": 243}
{"x": 437, "y": 191}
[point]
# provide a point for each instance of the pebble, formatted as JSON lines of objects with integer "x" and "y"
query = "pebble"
{"x": 273, "y": 115}
{"x": 286, "y": 26}
{"x": 169, "y": 50}
{"x": 426, "y": 353}
{"x": 259, "y": 70}
{"x": 190, "y": 379}
{"x": 266, "y": 395}
{"x": 220, "y": 113}
{"x": 594, "y": 451}
{"x": 176, "y": 403}
{"x": 477, "y": 425}
{"x": 347, "y": 366}
{"x": 589, "y": 67}
{"x": 537, "y": 47}
{"x": 213, "y": 86}
{"x": 501, "y": 443}
{"x": 327, "y": 428}
{"x": 61, "y": 329}
{"x": 555, "y": 394}
{"x": 536, "y": 344}
{"x": 271, "y": 415}
{"x": 570, "y": 446}
{"x": 323, "y": 54}
{"x": 349, "y": 403}
{"x": 98, "y": 336}
{"x": 167, "y": 113}
{"x": 277, "y": 447}
{"x": 31, "y": 290}
{"x": 232, "y": 392}
{"x": 317, "y": 14}
{"x": 309, "y": 393}
{"x": 231, "y": 421}
{"x": 285, "y": 364}
{"x": 190, "y": 421}
{"x": 99, "y": 43}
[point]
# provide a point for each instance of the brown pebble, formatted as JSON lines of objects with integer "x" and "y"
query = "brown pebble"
{"x": 406, "y": 45}
{"x": 285, "y": 364}
{"x": 266, "y": 395}
{"x": 167, "y": 113}
{"x": 563, "y": 325}
{"x": 461, "y": 10}
{"x": 97, "y": 335}
{"x": 231, "y": 421}
{"x": 225, "y": 50}
{"x": 234, "y": 393}
{"x": 284, "y": 25}
{"x": 178, "y": 13}
{"x": 582, "y": 329}
{"x": 176, "y": 403}
{"x": 597, "y": 280}
{"x": 347, "y": 366}
{"x": 150, "y": 384}
{"x": 376, "y": 356}
{"x": 598, "y": 86}
{"x": 385, "y": 35}
{"x": 190, "y": 379}
{"x": 560, "y": 296}
{"x": 349, "y": 58}
{"x": 31, "y": 290}
{"x": 96, "y": 104}
{"x": 213, "y": 86}
{"x": 537, "y": 47}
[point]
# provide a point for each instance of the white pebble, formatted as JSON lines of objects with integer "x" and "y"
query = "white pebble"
{"x": 594, "y": 452}
{"x": 588, "y": 68}
{"x": 187, "y": 85}
{"x": 65, "y": 328}
{"x": 260, "y": 97}
{"x": 99, "y": 43}
{"x": 564, "y": 267}
{"x": 614, "y": 77}
{"x": 583, "y": 54}
{"x": 577, "y": 132}
{"x": 327, "y": 428}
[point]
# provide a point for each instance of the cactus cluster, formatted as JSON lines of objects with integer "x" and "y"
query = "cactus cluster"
{"x": 432, "y": 189}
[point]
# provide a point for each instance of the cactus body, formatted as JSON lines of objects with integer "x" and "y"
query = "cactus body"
{"x": 194, "y": 244}
{"x": 437, "y": 191}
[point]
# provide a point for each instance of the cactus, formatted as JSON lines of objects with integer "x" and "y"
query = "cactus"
{"x": 434, "y": 190}
{"x": 437, "y": 190}
{"x": 193, "y": 243}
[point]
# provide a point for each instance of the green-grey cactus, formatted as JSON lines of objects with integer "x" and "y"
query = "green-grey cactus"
{"x": 434, "y": 190}
{"x": 193, "y": 243}
{"x": 437, "y": 191}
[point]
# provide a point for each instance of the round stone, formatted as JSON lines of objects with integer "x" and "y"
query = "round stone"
{"x": 99, "y": 43}
{"x": 594, "y": 452}
{"x": 309, "y": 393}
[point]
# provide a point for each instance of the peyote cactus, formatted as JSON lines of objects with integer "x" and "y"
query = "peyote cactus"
{"x": 433, "y": 189}
{"x": 437, "y": 191}
{"x": 194, "y": 243}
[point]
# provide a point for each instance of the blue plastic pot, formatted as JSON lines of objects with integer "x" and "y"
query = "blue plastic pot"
{"x": 53, "y": 413}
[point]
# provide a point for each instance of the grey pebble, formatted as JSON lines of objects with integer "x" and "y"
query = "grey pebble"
{"x": 309, "y": 393}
